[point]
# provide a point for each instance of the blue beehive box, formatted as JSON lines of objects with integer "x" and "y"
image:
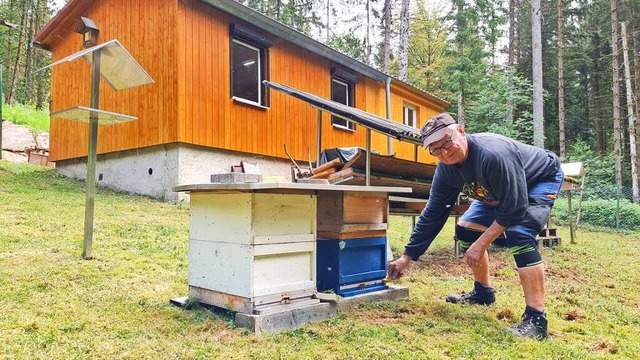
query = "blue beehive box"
{"x": 351, "y": 267}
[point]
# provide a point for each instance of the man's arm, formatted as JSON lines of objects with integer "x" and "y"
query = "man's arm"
{"x": 475, "y": 252}
{"x": 442, "y": 197}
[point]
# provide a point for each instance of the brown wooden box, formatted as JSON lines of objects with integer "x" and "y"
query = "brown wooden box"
{"x": 348, "y": 215}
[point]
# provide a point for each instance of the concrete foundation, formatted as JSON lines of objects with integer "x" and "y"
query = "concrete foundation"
{"x": 291, "y": 318}
{"x": 285, "y": 320}
{"x": 154, "y": 170}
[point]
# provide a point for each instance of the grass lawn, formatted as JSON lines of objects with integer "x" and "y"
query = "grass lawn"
{"x": 54, "y": 305}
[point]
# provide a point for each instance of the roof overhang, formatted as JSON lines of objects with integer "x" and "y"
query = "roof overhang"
{"x": 62, "y": 23}
{"x": 438, "y": 101}
{"x": 280, "y": 30}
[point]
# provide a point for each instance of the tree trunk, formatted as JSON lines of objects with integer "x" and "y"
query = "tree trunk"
{"x": 616, "y": 92}
{"x": 561, "y": 119}
{"x": 511, "y": 57}
{"x": 27, "y": 94}
{"x": 15, "y": 76}
{"x": 461, "y": 27}
{"x": 630, "y": 115}
{"x": 596, "y": 93}
{"x": 367, "y": 47}
{"x": 387, "y": 34}
{"x": 328, "y": 22}
{"x": 403, "y": 53}
{"x": 536, "y": 49}
{"x": 636, "y": 71}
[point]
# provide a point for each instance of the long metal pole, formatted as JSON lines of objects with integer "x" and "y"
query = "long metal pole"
{"x": 319, "y": 137}
{"x": 368, "y": 167}
{"x": 1, "y": 102}
{"x": 91, "y": 157}
{"x": 388, "y": 100}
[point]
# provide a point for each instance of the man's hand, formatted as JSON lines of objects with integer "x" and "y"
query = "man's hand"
{"x": 396, "y": 267}
{"x": 474, "y": 254}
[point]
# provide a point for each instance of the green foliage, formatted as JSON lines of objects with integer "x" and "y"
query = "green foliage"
{"x": 490, "y": 110}
{"x": 600, "y": 170}
{"x": 469, "y": 66}
{"x": 27, "y": 115}
{"x": 602, "y": 213}
{"x": 349, "y": 44}
{"x": 428, "y": 55}
{"x": 301, "y": 15}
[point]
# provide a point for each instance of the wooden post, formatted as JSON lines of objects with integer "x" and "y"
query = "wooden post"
{"x": 571, "y": 229}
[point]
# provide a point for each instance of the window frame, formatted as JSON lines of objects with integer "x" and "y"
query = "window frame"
{"x": 244, "y": 36}
{"x": 261, "y": 77}
{"x": 350, "y": 98}
{"x": 405, "y": 110}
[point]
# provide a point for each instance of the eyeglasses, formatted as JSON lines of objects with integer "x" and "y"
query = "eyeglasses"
{"x": 445, "y": 146}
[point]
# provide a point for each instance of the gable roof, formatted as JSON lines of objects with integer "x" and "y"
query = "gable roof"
{"x": 64, "y": 22}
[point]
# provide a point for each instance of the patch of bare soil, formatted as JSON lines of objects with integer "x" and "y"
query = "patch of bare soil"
{"x": 447, "y": 265}
{"x": 505, "y": 314}
{"x": 569, "y": 274}
{"x": 605, "y": 346}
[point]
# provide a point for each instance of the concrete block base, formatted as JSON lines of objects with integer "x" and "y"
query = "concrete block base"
{"x": 276, "y": 321}
{"x": 291, "y": 319}
{"x": 392, "y": 293}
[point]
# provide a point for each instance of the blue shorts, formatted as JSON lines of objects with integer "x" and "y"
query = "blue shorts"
{"x": 541, "y": 199}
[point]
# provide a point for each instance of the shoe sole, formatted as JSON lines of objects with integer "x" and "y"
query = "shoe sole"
{"x": 521, "y": 336}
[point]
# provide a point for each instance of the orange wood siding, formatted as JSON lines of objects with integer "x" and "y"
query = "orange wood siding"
{"x": 209, "y": 117}
{"x": 184, "y": 45}
{"x": 146, "y": 28}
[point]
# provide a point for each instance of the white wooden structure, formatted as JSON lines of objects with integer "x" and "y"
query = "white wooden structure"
{"x": 252, "y": 246}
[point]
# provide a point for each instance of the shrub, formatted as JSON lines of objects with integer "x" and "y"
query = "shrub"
{"x": 601, "y": 212}
{"x": 26, "y": 115}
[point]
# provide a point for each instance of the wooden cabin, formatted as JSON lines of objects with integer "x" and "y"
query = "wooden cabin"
{"x": 207, "y": 109}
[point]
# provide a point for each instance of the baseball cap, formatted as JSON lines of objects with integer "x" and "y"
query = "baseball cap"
{"x": 435, "y": 128}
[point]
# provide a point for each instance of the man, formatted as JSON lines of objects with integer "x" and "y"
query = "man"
{"x": 514, "y": 186}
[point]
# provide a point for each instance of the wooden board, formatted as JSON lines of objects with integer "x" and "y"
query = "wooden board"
{"x": 351, "y": 177}
{"x": 351, "y": 235}
{"x": 351, "y": 211}
{"x": 395, "y": 167}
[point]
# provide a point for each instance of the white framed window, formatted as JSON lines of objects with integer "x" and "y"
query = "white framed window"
{"x": 342, "y": 92}
{"x": 247, "y": 72}
{"x": 410, "y": 116}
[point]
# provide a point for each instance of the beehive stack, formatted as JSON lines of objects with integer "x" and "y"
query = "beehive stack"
{"x": 352, "y": 242}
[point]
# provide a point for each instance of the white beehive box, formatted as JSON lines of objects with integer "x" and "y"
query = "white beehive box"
{"x": 251, "y": 249}
{"x": 253, "y": 245}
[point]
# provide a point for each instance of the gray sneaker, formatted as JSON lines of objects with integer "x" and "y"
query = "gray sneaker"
{"x": 473, "y": 297}
{"x": 533, "y": 327}
{"x": 481, "y": 295}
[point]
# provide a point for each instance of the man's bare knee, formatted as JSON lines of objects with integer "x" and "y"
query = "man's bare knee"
{"x": 470, "y": 225}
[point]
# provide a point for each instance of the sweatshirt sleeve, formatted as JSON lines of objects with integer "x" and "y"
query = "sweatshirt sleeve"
{"x": 506, "y": 176}
{"x": 442, "y": 197}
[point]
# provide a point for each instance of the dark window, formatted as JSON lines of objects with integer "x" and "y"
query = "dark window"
{"x": 410, "y": 116}
{"x": 342, "y": 92}
{"x": 246, "y": 73}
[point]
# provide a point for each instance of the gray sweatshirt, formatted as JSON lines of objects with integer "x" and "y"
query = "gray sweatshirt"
{"x": 498, "y": 171}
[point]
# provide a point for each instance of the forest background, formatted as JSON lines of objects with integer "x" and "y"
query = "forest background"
{"x": 560, "y": 74}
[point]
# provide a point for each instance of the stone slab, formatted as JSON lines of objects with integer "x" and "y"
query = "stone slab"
{"x": 392, "y": 293}
{"x": 291, "y": 319}
{"x": 235, "y": 178}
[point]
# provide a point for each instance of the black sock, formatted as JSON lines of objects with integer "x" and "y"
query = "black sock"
{"x": 531, "y": 312}
{"x": 482, "y": 288}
